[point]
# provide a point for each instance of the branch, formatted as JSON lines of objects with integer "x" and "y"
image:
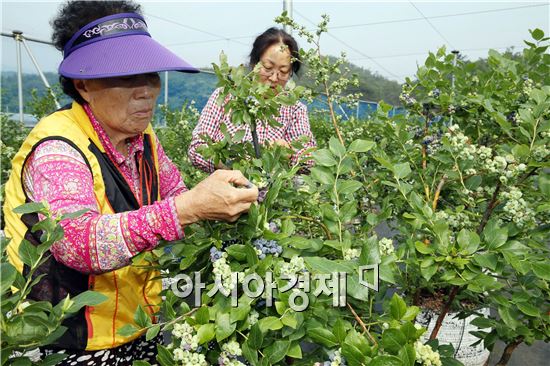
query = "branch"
{"x": 490, "y": 207}
{"x": 362, "y": 324}
{"x": 507, "y": 353}
{"x": 438, "y": 191}
{"x": 444, "y": 312}
{"x": 323, "y": 226}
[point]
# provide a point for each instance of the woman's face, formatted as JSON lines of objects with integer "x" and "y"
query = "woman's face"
{"x": 123, "y": 105}
{"x": 276, "y": 66}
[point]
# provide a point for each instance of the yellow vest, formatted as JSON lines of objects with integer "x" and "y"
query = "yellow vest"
{"x": 95, "y": 327}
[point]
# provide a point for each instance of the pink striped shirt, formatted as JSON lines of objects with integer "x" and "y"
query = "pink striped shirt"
{"x": 95, "y": 242}
{"x": 293, "y": 120}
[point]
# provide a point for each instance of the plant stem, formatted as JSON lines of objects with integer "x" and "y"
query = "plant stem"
{"x": 444, "y": 312}
{"x": 329, "y": 100}
{"x": 490, "y": 207}
{"x": 362, "y": 324}
{"x": 507, "y": 353}
{"x": 323, "y": 226}
{"x": 337, "y": 203}
{"x": 255, "y": 141}
{"x": 438, "y": 191}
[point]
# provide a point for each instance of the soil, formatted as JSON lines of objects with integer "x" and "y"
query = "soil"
{"x": 435, "y": 301}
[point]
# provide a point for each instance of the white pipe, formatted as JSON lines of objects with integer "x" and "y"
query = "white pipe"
{"x": 44, "y": 80}
{"x": 17, "y": 37}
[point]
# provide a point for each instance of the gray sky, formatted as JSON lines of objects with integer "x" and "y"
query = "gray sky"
{"x": 393, "y": 46}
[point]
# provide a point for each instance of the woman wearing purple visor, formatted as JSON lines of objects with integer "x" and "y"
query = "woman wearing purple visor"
{"x": 101, "y": 154}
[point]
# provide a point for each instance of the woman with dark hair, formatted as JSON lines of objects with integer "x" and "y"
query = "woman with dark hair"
{"x": 277, "y": 52}
{"x": 100, "y": 154}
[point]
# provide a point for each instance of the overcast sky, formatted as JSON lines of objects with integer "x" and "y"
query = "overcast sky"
{"x": 388, "y": 38}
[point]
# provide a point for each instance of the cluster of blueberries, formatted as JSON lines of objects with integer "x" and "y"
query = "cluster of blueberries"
{"x": 215, "y": 254}
{"x": 267, "y": 247}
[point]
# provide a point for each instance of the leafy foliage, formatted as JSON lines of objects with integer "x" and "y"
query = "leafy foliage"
{"x": 27, "y": 324}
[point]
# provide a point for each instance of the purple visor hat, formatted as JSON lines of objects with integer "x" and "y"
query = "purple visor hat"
{"x": 117, "y": 45}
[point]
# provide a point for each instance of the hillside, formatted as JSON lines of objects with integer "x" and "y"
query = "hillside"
{"x": 188, "y": 87}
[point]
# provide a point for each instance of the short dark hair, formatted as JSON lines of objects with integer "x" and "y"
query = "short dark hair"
{"x": 74, "y": 15}
{"x": 269, "y": 38}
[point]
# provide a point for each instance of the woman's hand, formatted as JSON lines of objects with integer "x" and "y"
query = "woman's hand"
{"x": 224, "y": 195}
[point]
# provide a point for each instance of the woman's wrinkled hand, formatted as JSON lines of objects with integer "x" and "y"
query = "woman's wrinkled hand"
{"x": 224, "y": 195}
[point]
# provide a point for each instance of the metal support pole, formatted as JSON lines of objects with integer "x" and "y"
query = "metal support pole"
{"x": 17, "y": 37}
{"x": 44, "y": 80}
{"x": 287, "y": 6}
{"x": 166, "y": 89}
{"x": 165, "y": 96}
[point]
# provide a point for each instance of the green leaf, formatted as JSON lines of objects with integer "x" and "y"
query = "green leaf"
{"x": 494, "y": 236}
{"x": 392, "y": 340}
{"x": 336, "y": 147}
{"x": 370, "y": 252}
{"x": 486, "y": 260}
{"x": 409, "y": 331}
{"x": 270, "y": 323}
{"x": 322, "y": 175}
{"x": 140, "y": 363}
{"x": 428, "y": 272}
{"x": 323, "y": 336}
{"x": 164, "y": 356}
{"x": 401, "y": 170}
{"x": 339, "y": 330}
{"x": 152, "y": 332}
{"x": 544, "y": 184}
{"x": 361, "y": 146}
{"x": 237, "y": 251}
{"x": 507, "y": 316}
{"x": 542, "y": 270}
{"x": 202, "y": 316}
{"x": 295, "y": 351}
{"x": 324, "y": 157}
{"x": 250, "y": 353}
{"x": 53, "y": 336}
{"x": 397, "y": 307}
{"x": 31, "y": 207}
{"x": 224, "y": 327}
{"x": 127, "y": 330}
{"x": 482, "y": 322}
{"x": 20, "y": 361}
{"x": 141, "y": 318}
{"x": 277, "y": 351}
{"x": 423, "y": 248}
{"x": 27, "y": 253}
{"x": 87, "y": 298}
{"x": 289, "y": 319}
{"x": 386, "y": 361}
{"x": 74, "y": 215}
{"x": 255, "y": 337}
{"x": 529, "y": 309}
{"x": 353, "y": 355}
{"x": 7, "y": 276}
{"x": 537, "y": 34}
{"x": 345, "y": 187}
{"x": 53, "y": 359}
{"x": 407, "y": 355}
{"x": 468, "y": 241}
{"x": 240, "y": 312}
{"x": 206, "y": 333}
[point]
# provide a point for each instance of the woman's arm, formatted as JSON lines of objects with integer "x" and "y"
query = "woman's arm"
{"x": 170, "y": 180}
{"x": 93, "y": 242}
{"x": 209, "y": 124}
